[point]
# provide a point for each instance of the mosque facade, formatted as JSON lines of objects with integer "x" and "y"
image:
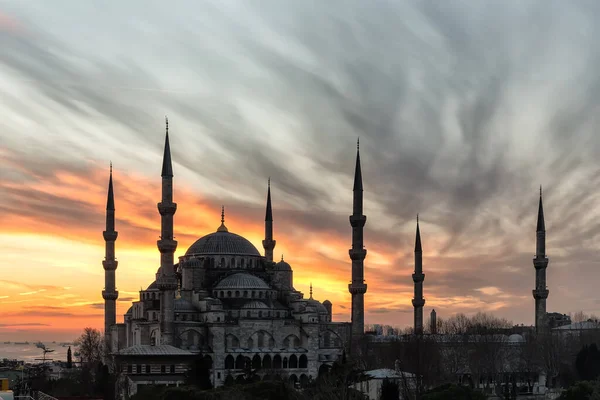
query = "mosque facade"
{"x": 227, "y": 304}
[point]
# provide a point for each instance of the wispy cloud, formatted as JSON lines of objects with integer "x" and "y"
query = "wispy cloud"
{"x": 463, "y": 109}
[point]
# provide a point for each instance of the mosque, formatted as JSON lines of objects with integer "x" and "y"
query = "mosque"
{"x": 226, "y": 303}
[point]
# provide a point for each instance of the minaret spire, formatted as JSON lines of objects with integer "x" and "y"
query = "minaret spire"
{"x": 311, "y": 290}
{"x": 269, "y": 243}
{"x": 540, "y": 262}
{"x": 110, "y": 294}
{"x": 166, "y": 279}
{"x": 418, "y": 278}
{"x": 357, "y": 287}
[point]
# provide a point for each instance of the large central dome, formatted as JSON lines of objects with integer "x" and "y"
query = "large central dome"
{"x": 223, "y": 243}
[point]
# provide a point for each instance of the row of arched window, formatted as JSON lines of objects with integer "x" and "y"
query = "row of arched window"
{"x": 266, "y": 362}
{"x": 246, "y": 294}
{"x": 262, "y": 339}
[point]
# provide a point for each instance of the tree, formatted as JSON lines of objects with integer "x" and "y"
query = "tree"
{"x": 90, "y": 346}
{"x": 390, "y": 390}
{"x": 582, "y": 391}
{"x": 587, "y": 363}
{"x": 69, "y": 358}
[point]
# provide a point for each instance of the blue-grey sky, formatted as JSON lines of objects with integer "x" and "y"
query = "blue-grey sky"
{"x": 463, "y": 109}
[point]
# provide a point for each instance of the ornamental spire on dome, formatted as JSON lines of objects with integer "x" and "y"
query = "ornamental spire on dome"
{"x": 222, "y": 228}
{"x": 311, "y": 291}
{"x": 167, "y": 167}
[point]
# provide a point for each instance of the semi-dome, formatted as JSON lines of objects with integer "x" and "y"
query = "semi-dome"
{"x": 153, "y": 286}
{"x": 242, "y": 281}
{"x": 223, "y": 243}
{"x": 255, "y": 304}
{"x": 129, "y": 311}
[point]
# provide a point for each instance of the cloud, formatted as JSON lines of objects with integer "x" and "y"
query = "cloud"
{"x": 462, "y": 110}
{"x": 15, "y": 325}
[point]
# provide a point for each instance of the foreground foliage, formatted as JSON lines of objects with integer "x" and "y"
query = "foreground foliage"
{"x": 453, "y": 392}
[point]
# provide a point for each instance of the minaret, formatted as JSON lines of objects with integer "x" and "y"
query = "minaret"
{"x": 110, "y": 294}
{"x": 269, "y": 243}
{"x": 540, "y": 262}
{"x": 418, "y": 278}
{"x": 357, "y": 287}
{"x": 165, "y": 278}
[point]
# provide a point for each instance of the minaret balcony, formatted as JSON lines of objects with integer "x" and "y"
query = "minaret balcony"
{"x": 269, "y": 244}
{"x": 164, "y": 282}
{"x": 358, "y": 220}
{"x": 418, "y": 302}
{"x": 418, "y": 278}
{"x": 110, "y": 295}
{"x": 167, "y": 208}
{"x": 357, "y": 288}
{"x": 110, "y": 265}
{"x": 540, "y": 262}
{"x": 110, "y": 236}
{"x": 167, "y": 245}
{"x": 357, "y": 254}
{"x": 540, "y": 294}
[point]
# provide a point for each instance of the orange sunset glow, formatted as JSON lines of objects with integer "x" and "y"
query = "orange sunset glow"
{"x": 457, "y": 130}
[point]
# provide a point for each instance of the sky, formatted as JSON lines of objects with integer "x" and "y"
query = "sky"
{"x": 463, "y": 110}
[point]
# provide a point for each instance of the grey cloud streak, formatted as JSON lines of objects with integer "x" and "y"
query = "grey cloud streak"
{"x": 462, "y": 109}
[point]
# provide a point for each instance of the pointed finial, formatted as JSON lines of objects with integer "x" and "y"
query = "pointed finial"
{"x": 358, "y": 143}
{"x": 282, "y": 257}
{"x": 417, "y": 219}
{"x": 540, "y": 190}
{"x": 111, "y": 167}
{"x": 269, "y": 182}
{"x": 311, "y": 290}
{"x": 166, "y": 124}
{"x": 222, "y": 228}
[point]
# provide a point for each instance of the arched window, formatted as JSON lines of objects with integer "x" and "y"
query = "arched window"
{"x": 326, "y": 339}
{"x": 266, "y": 364}
{"x": 229, "y": 362}
{"x": 303, "y": 361}
{"x": 303, "y": 380}
{"x": 229, "y": 293}
{"x": 293, "y": 361}
{"x": 250, "y": 343}
{"x": 277, "y": 362}
{"x": 260, "y": 295}
{"x": 271, "y": 342}
{"x": 259, "y": 314}
{"x": 253, "y": 294}
{"x": 285, "y": 362}
{"x": 240, "y": 362}
{"x": 233, "y": 263}
{"x": 222, "y": 294}
{"x": 256, "y": 362}
{"x": 261, "y": 338}
{"x": 237, "y": 293}
{"x": 242, "y": 263}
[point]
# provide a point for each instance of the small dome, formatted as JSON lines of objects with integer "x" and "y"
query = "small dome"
{"x": 282, "y": 265}
{"x": 182, "y": 304}
{"x": 153, "y": 286}
{"x": 129, "y": 311}
{"x": 320, "y": 308}
{"x": 223, "y": 243}
{"x": 242, "y": 281}
{"x": 326, "y": 303}
{"x": 255, "y": 304}
{"x": 515, "y": 338}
